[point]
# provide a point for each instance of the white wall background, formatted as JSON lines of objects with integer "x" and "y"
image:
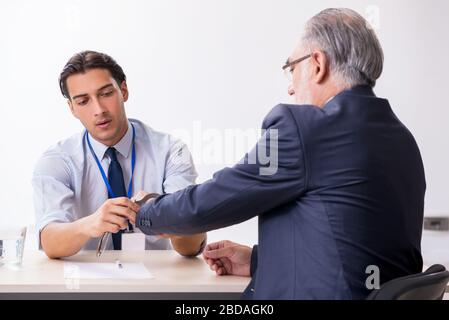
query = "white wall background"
{"x": 209, "y": 63}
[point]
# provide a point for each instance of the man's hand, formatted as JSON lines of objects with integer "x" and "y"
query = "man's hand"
{"x": 226, "y": 257}
{"x": 112, "y": 217}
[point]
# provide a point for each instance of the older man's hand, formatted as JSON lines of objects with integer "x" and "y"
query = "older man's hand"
{"x": 226, "y": 257}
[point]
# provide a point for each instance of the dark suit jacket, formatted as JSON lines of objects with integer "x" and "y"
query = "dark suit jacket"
{"x": 348, "y": 193}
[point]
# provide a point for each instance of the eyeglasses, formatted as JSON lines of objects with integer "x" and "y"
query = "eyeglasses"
{"x": 288, "y": 70}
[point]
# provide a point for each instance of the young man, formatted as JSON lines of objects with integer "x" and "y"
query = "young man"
{"x": 83, "y": 185}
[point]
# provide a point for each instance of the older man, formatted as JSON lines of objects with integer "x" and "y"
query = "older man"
{"x": 345, "y": 205}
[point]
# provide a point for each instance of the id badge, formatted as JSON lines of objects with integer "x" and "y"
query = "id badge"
{"x": 133, "y": 241}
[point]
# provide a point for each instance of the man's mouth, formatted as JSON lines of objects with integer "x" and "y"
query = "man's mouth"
{"x": 103, "y": 124}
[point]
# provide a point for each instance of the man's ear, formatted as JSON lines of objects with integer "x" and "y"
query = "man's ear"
{"x": 320, "y": 66}
{"x": 124, "y": 89}
{"x": 69, "y": 102}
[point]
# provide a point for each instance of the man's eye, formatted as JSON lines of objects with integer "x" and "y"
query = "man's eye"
{"x": 106, "y": 94}
{"x": 82, "y": 102}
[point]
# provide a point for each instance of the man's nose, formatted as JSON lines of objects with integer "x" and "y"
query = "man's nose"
{"x": 290, "y": 90}
{"x": 98, "y": 107}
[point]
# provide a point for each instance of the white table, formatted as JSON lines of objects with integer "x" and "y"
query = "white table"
{"x": 175, "y": 277}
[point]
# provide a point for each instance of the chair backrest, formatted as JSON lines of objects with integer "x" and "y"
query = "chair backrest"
{"x": 428, "y": 285}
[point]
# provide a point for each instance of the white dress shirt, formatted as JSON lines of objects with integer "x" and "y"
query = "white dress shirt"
{"x": 68, "y": 184}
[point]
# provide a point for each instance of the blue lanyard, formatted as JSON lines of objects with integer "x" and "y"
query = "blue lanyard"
{"x": 105, "y": 179}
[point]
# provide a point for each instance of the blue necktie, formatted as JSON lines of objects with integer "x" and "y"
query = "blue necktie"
{"x": 115, "y": 178}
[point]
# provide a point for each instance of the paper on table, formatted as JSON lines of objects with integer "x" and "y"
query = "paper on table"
{"x": 93, "y": 270}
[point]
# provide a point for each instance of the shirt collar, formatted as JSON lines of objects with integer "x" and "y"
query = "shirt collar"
{"x": 329, "y": 100}
{"x": 123, "y": 146}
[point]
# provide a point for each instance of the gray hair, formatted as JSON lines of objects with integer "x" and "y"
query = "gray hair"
{"x": 350, "y": 44}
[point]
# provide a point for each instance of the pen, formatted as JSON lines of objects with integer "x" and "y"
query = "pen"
{"x": 102, "y": 243}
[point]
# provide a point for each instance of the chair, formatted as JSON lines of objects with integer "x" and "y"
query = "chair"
{"x": 428, "y": 285}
